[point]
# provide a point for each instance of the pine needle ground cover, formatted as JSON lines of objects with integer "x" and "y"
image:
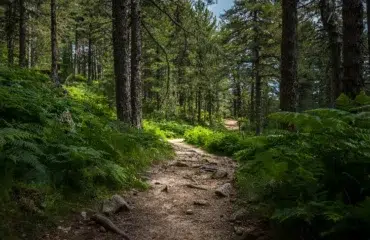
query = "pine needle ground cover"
{"x": 60, "y": 145}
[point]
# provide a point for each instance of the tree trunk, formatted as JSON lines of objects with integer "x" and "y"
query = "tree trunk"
{"x": 353, "y": 81}
{"x": 76, "y": 52}
{"x": 54, "y": 43}
{"x": 199, "y": 106}
{"x": 288, "y": 82}
{"x": 258, "y": 114}
{"x": 10, "y": 17}
{"x": 256, "y": 59}
{"x": 252, "y": 105}
{"x": 136, "y": 84}
{"x": 368, "y": 27}
{"x": 22, "y": 34}
{"x": 121, "y": 57}
{"x": 330, "y": 22}
{"x": 89, "y": 58}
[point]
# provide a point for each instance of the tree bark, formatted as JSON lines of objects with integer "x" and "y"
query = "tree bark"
{"x": 288, "y": 82}
{"x": 121, "y": 57}
{"x": 368, "y": 27}
{"x": 199, "y": 106}
{"x": 252, "y": 105}
{"x": 256, "y": 59}
{"x": 353, "y": 81}
{"x": 54, "y": 43}
{"x": 10, "y": 22}
{"x": 89, "y": 58}
{"x": 330, "y": 22}
{"x": 136, "y": 84}
{"x": 22, "y": 34}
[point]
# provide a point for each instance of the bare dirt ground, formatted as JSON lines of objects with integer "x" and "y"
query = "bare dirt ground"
{"x": 231, "y": 124}
{"x": 172, "y": 209}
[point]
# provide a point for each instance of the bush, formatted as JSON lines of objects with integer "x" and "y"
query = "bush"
{"x": 65, "y": 146}
{"x": 198, "y": 136}
{"x": 316, "y": 179}
{"x": 218, "y": 142}
{"x": 75, "y": 78}
{"x": 169, "y": 129}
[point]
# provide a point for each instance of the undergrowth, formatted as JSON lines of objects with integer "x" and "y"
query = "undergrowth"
{"x": 61, "y": 145}
{"x": 313, "y": 182}
{"x": 218, "y": 142}
{"x": 167, "y": 129}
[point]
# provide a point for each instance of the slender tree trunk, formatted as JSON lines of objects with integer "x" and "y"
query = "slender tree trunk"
{"x": 288, "y": 82}
{"x": 368, "y": 27}
{"x": 136, "y": 84}
{"x": 10, "y": 16}
{"x": 353, "y": 81}
{"x": 89, "y": 58}
{"x": 76, "y": 52}
{"x": 22, "y": 34}
{"x": 121, "y": 57}
{"x": 84, "y": 61}
{"x": 54, "y": 43}
{"x": 252, "y": 105}
{"x": 330, "y": 22}
{"x": 199, "y": 106}
{"x": 256, "y": 57}
{"x": 258, "y": 111}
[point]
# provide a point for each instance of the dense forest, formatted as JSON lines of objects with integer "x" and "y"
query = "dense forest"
{"x": 92, "y": 90}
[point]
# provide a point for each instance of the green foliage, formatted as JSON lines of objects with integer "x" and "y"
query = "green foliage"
{"x": 66, "y": 142}
{"x": 198, "y": 136}
{"x": 75, "y": 78}
{"x": 167, "y": 129}
{"x": 316, "y": 178}
{"x": 219, "y": 142}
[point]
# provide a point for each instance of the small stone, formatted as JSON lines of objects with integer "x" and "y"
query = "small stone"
{"x": 84, "y": 215}
{"x": 157, "y": 183}
{"x": 180, "y": 164}
{"x": 224, "y": 190}
{"x": 102, "y": 229}
{"x": 219, "y": 174}
{"x": 246, "y": 233}
{"x": 238, "y": 215}
{"x": 201, "y": 203}
{"x": 115, "y": 204}
{"x": 91, "y": 223}
{"x": 189, "y": 212}
{"x": 238, "y": 230}
{"x": 64, "y": 229}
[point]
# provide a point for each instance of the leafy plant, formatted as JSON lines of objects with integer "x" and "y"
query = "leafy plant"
{"x": 315, "y": 177}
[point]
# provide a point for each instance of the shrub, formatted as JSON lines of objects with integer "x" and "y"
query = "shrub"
{"x": 65, "y": 145}
{"x": 169, "y": 129}
{"x": 316, "y": 179}
{"x": 75, "y": 78}
{"x": 198, "y": 136}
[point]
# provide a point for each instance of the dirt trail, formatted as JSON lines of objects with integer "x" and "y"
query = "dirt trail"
{"x": 231, "y": 124}
{"x": 174, "y": 214}
{"x": 163, "y": 216}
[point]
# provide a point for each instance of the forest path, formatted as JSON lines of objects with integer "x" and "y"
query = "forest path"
{"x": 174, "y": 208}
{"x": 231, "y": 124}
{"x": 185, "y": 213}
